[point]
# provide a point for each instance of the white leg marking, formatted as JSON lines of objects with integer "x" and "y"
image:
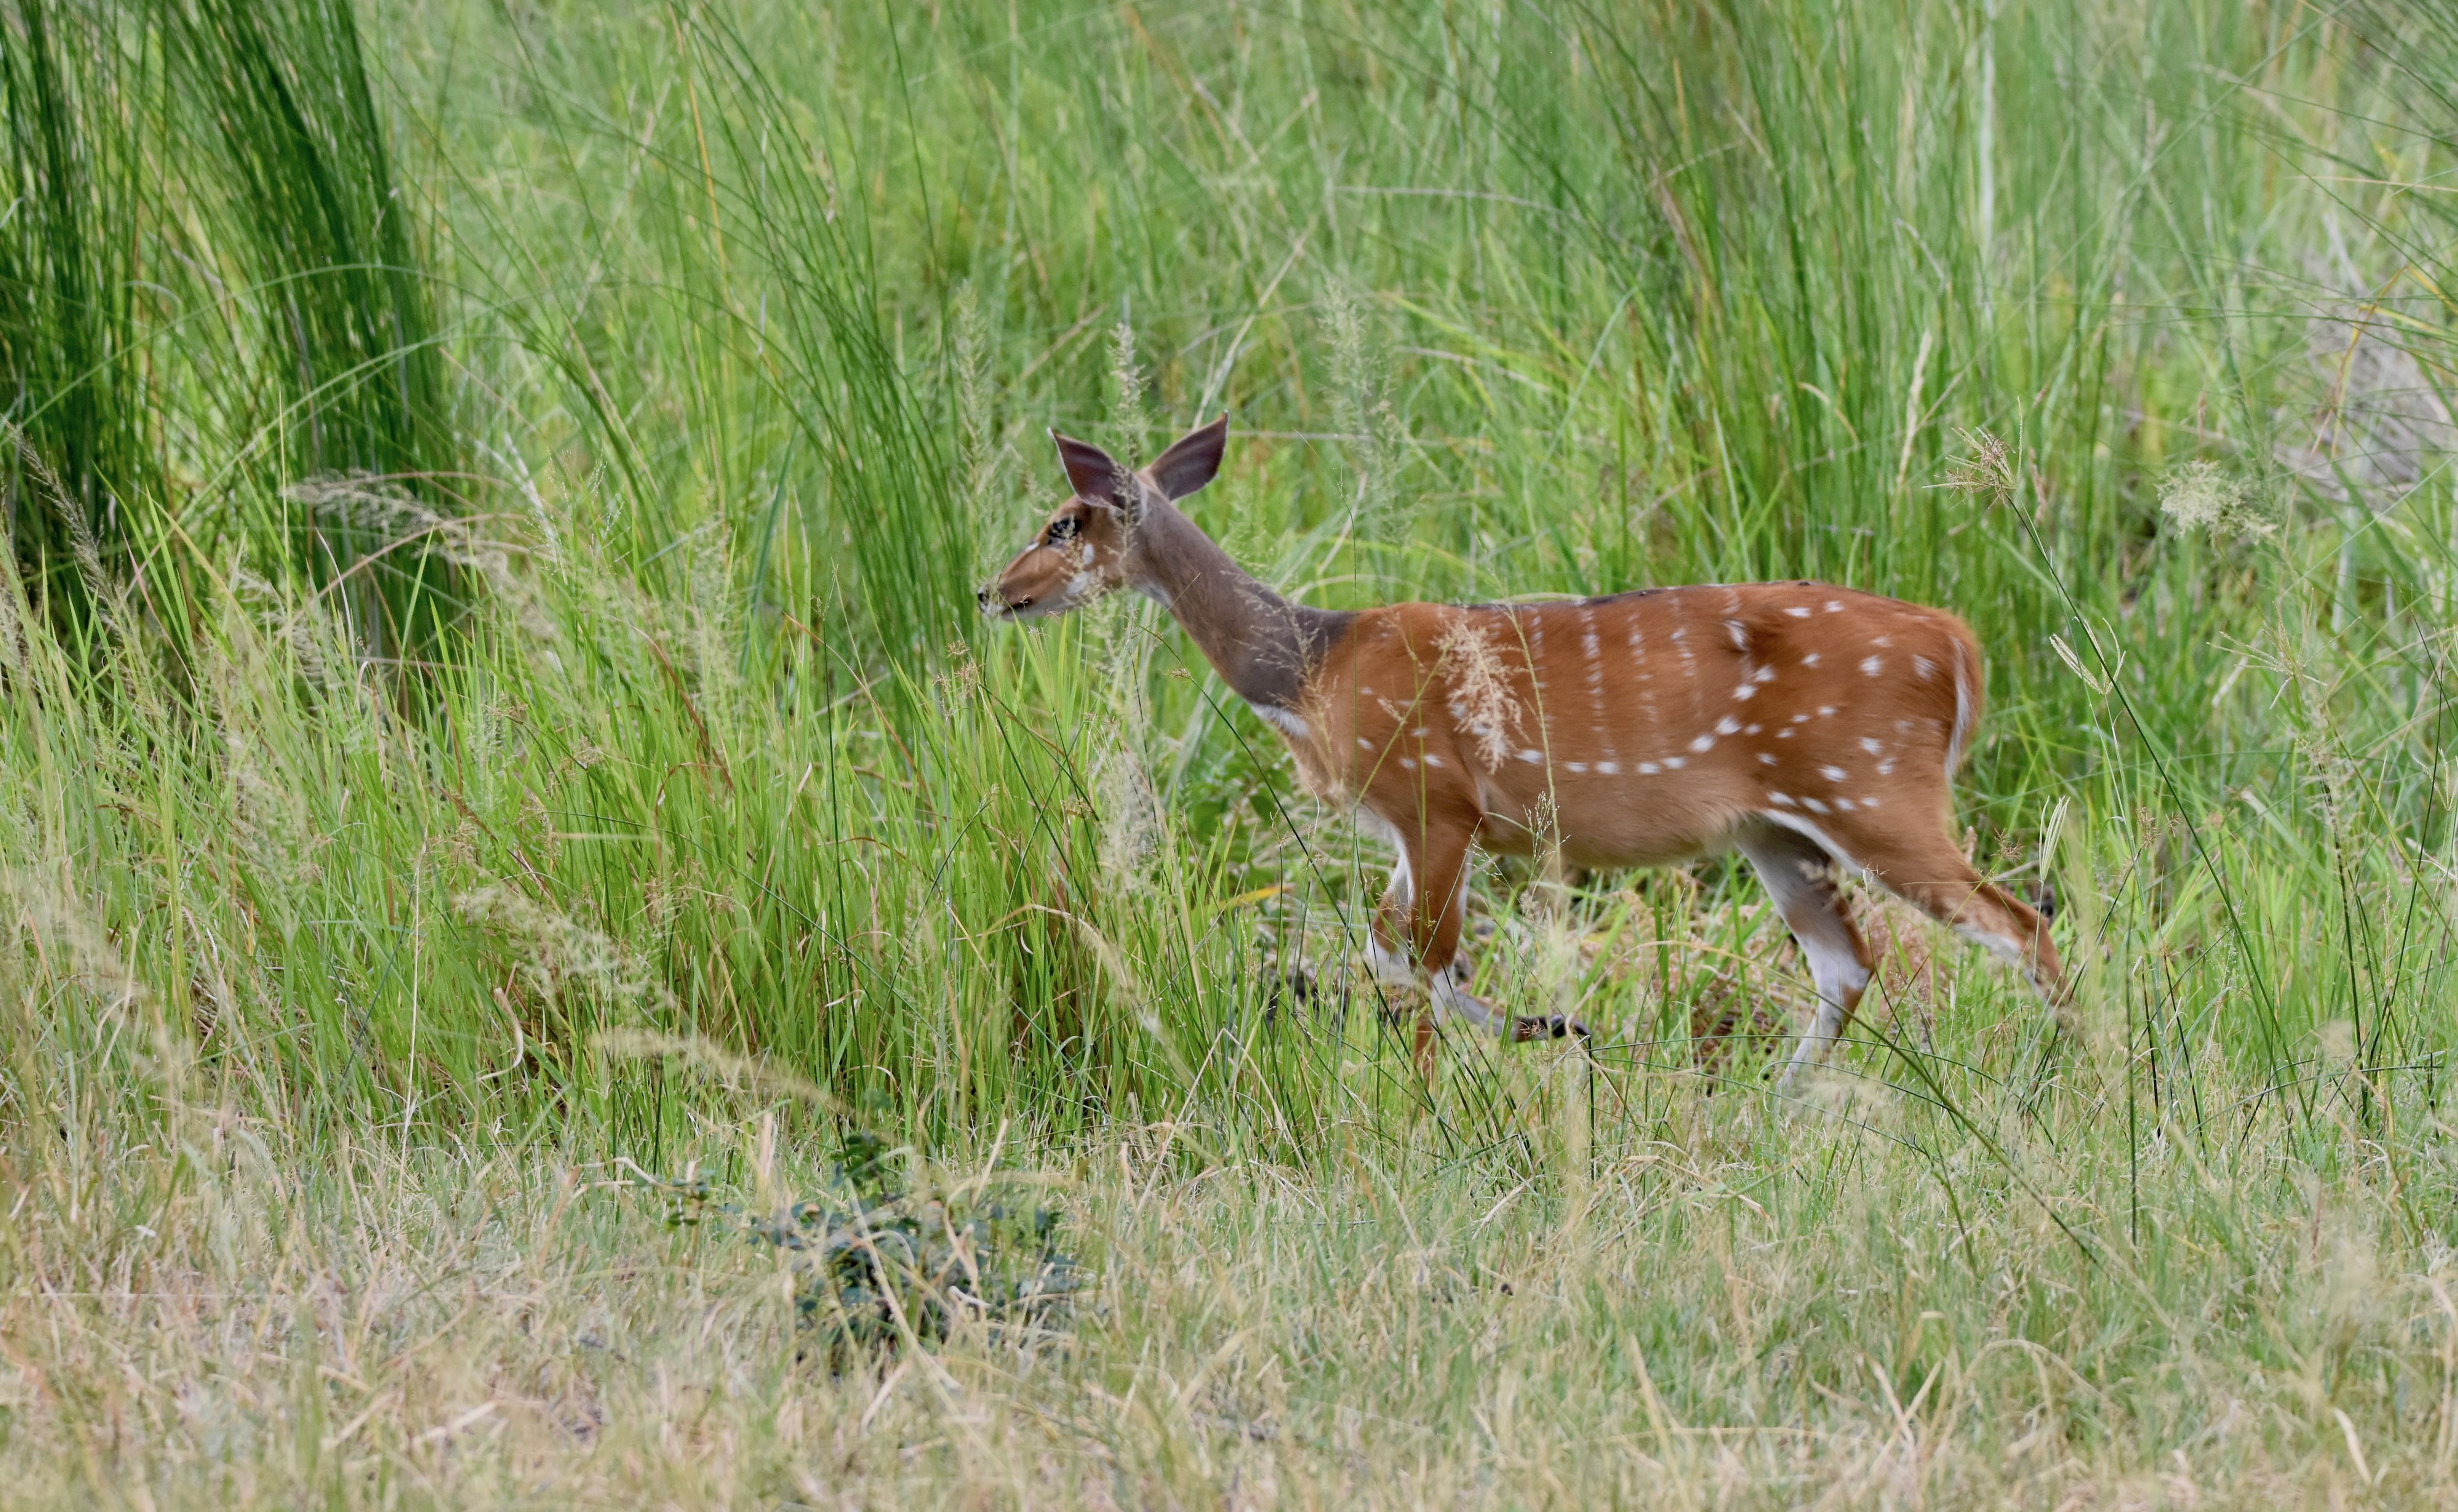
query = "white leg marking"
{"x": 1791, "y": 873}
{"x": 1391, "y": 967}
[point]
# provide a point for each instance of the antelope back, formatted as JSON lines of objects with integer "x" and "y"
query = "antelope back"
{"x": 1641, "y": 728}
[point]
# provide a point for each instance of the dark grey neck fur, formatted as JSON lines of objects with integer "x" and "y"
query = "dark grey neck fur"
{"x": 1263, "y": 646}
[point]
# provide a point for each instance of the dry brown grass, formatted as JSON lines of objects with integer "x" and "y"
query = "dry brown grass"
{"x": 1721, "y": 1316}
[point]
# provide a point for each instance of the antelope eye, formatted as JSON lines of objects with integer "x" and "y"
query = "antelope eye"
{"x": 1062, "y": 529}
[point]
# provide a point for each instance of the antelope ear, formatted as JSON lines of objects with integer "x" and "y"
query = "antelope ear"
{"x": 1094, "y": 474}
{"x": 1191, "y": 461}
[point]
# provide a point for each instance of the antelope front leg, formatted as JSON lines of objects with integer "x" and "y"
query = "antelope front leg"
{"x": 1418, "y": 928}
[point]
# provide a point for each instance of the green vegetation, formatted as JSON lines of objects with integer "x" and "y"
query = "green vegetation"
{"x": 492, "y": 712}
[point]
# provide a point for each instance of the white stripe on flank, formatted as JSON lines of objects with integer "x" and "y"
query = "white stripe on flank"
{"x": 1966, "y": 715}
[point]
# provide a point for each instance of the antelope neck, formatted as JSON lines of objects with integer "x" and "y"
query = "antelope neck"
{"x": 1263, "y": 645}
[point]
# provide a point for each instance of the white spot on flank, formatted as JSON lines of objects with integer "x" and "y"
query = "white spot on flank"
{"x": 1728, "y": 725}
{"x": 1765, "y": 675}
{"x": 1576, "y": 766}
{"x": 1706, "y": 742}
{"x": 1751, "y": 729}
{"x": 1408, "y": 762}
{"x": 1609, "y": 768}
{"x": 1871, "y": 746}
{"x": 1845, "y": 804}
{"x": 1531, "y": 756}
{"x": 1421, "y": 730}
{"x": 1813, "y": 805}
{"x": 1835, "y": 606}
{"x": 1872, "y": 665}
{"x": 1903, "y": 726}
{"x": 1833, "y": 774}
{"x": 1766, "y": 758}
{"x": 1367, "y": 691}
{"x": 1884, "y": 640}
{"x": 1886, "y": 769}
{"x": 1433, "y": 760}
{"x": 1781, "y": 798}
{"x": 1648, "y": 769}
{"x": 1741, "y": 638}
{"x": 1363, "y": 744}
{"x": 1674, "y": 763}
{"x": 1826, "y": 711}
{"x": 1783, "y": 734}
{"x": 1810, "y": 660}
{"x": 1745, "y": 692}
{"x": 1799, "y": 612}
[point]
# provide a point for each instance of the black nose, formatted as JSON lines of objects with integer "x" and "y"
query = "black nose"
{"x": 981, "y": 598}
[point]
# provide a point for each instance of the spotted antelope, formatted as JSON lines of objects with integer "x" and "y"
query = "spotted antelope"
{"x": 1811, "y": 728}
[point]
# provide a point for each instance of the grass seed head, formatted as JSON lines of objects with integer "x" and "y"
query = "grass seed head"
{"x": 1130, "y": 824}
{"x": 1480, "y": 685}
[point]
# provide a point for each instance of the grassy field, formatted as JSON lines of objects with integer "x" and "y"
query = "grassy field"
{"x": 554, "y": 959}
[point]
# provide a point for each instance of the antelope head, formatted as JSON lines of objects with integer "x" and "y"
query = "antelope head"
{"x": 1094, "y": 544}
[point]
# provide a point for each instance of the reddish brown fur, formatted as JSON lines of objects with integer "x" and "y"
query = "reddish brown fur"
{"x": 1807, "y": 725}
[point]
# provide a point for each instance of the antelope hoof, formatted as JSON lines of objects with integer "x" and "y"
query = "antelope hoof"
{"x": 1551, "y": 1027}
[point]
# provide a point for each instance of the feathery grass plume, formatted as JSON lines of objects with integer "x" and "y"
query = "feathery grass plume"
{"x": 2199, "y": 495}
{"x": 16, "y": 646}
{"x": 1124, "y": 648}
{"x": 1985, "y": 472}
{"x": 559, "y": 954}
{"x": 980, "y": 451}
{"x": 713, "y": 614}
{"x": 1128, "y": 420}
{"x": 391, "y": 525}
{"x": 381, "y": 508}
{"x": 106, "y": 596}
{"x": 2202, "y": 496}
{"x": 738, "y": 1072}
{"x": 1131, "y": 830}
{"x": 1486, "y": 707}
{"x": 1361, "y": 405}
{"x": 1553, "y": 976}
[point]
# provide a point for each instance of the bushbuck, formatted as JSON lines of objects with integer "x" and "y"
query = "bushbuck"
{"x": 1812, "y": 728}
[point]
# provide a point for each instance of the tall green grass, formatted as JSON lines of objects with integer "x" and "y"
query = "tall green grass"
{"x": 491, "y": 679}
{"x": 746, "y": 323}
{"x": 216, "y": 288}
